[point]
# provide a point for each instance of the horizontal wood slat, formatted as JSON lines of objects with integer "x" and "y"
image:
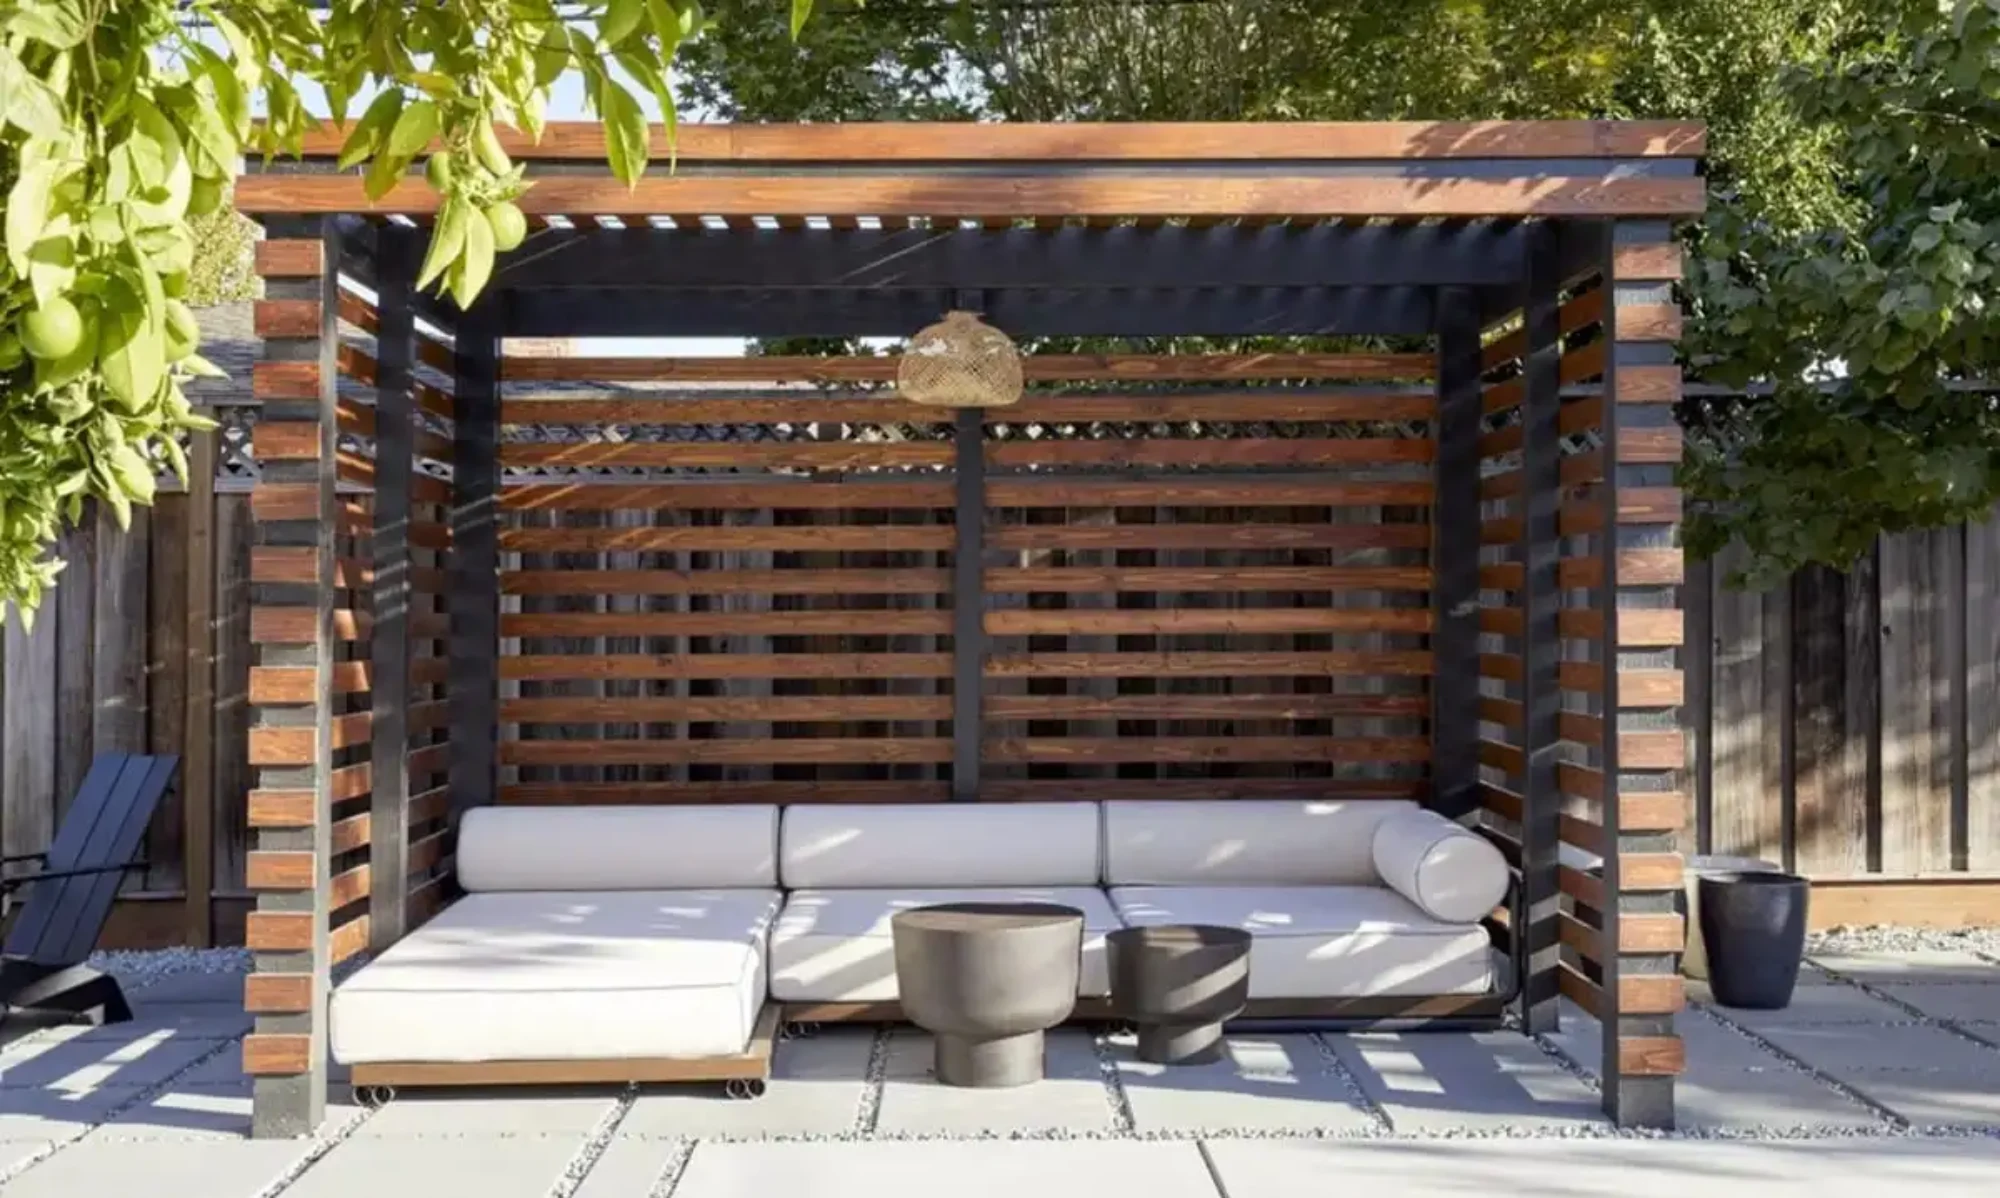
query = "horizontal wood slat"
{"x": 1200, "y": 707}
{"x": 802, "y": 750}
{"x": 820, "y": 455}
{"x": 278, "y": 931}
{"x": 277, "y": 993}
{"x": 708, "y": 494}
{"x": 1205, "y": 664}
{"x": 289, "y": 258}
{"x": 1210, "y": 748}
{"x": 1157, "y": 368}
{"x": 789, "y": 623}
{"x": 879, "y": 538}
{"x": 1212, "y": 536}
{"x": 1101, "y": 579}
{"x": 1214, "y": 141}
{"x": 276, "y": 1055}
{"x": 1017, "y": 196}
{"x": 1208, "y": 622}
{"x": 636, "y": 666}
{"x": 1244, "y": 452}
{"x": 812, "y": 708}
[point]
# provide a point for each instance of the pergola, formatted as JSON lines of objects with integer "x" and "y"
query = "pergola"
{"x": 1445, "y": 570}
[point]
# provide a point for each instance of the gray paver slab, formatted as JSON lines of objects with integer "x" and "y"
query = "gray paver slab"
{"x": 629, "y": 1168}
{"x": 816, "y": 1088}
{"x": 36, "y": 1114}
{"x": 16, "y": 1153}
{"x": 1812, "y": 1005}
{"x": 1070, "y": 1097}
{"x": 494, "y": 1111}
{"x": 161, "y": 1169}
{"x": 1925, "y": 965}
{"x": 1936, "y": 1100}
{"x": 1850, "y": 1167}
{"x": 1476, "y": 1082}
{"x": 1970, "y": 1002}
{"x": 488, "y": 1166}
{"x": 71, "y": 1064}
{"x": 189, "y": 988}
{"x": 1041, "y": 1168}
{"x": 1847, "y": 1049}
{"x": 1263, "y": 1083}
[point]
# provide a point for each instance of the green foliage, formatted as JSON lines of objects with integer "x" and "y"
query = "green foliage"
{"x": 120, "y": 127}
{"x": 1863, "y": 327}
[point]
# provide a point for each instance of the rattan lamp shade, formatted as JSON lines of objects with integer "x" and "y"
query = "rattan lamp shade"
{"x": 960, "y": 362}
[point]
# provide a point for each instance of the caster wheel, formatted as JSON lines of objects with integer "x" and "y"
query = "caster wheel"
{"x": 799, "y": 1031}
{"x": 375, "y": 1097}
{"x": 743, "y": 1089}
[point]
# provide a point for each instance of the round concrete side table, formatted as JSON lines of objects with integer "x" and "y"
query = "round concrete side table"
{"x": 1180, "y": 983}
{"x": 987, "y": 979}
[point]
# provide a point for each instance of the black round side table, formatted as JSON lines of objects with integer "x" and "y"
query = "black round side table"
{"x": 1180, "y": 983}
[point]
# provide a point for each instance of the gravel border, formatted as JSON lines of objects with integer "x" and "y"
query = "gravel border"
{"x": 1984, "y": 942}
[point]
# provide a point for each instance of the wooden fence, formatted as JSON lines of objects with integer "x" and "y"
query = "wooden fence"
{"x": 1848, "y": 726}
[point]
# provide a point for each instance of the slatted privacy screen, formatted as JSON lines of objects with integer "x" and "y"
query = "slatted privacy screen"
{"x": 720, "y": 590}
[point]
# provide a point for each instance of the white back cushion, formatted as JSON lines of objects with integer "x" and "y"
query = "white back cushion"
{"x": 1452, "y": 872}
{"x": 1244, "y": 842}
{"x": 618, "y": 848}
{"x": 938, "y": 844}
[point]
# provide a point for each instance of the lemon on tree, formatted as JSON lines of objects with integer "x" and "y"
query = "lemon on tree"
{"x": 510, "y": 228}
{"x": 53, "y": 330}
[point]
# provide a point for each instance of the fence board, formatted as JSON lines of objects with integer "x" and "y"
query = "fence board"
{"x": 1916, "y": 700}
{"x": 28, "y": 736}
{"x": 1745, "y": 819}
{"x": 1982, "y": 693}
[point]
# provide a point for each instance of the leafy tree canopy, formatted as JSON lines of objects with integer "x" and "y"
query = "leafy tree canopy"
{"x": 121, "y": 122}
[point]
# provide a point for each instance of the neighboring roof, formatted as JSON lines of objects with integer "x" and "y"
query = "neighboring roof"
{"x": 228, "y": 339}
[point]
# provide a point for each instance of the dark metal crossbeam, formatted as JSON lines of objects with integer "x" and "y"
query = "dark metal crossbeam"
{"x": 1457, "y": 253}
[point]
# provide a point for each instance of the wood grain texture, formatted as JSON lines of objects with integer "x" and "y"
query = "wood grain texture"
{"x": 829, "y": 455}
{"x": 1206, "y": 664}
{"x": 1651, "y": 1056}
{"x": 725, "y": 582}
{"x": 289, "y": 258}
{"x": 1210, "y": 536}
{"x": 708, "y": 494}
{"x": 642, "y": 666}
{"x": 817, "y": 623}
{"x": 1104, "y": 579}
{"x": 1017, "y": 196}
{"x": 1243, "y": 490}
{"x": 1184, "y": 749}
{"x": 272, "y": 870}
{"x": 712, "y": 709}
{"x": 277, "y": 993}
{"x": 1647, "y": 261}
{"x": 1157, "y": 368}
{"x": 882, "y": 538}
{"x": 286, "y": 318}
{"x": 1207, "y": 622}
{"x": 1121, "y": 142}
{"x": 278, "y": 931}
{"x": 1246, "y": 452}
{"x": 801, "y": 750}
{"x": 276, "y": 1055}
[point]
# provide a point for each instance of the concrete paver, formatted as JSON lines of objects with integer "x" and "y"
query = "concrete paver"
{"x": 1626, "y": 1168}
{"x": 1928, "y": 965}
{"x": 1810, "y": 1005}
{"x": 1482, "y": 1081}
{"x": 488, "y": 1166}
{"x": 69, "y": 1064}
{"x": 162, "y": 1169}
{"x": 1071, "y": 1096}
{"x": 1263, "y": 1083}
{"x": 498, "y": 1111}
{"x": 816, "y": 1088}
{"x": 1863, "y": 1048}
{"x": 1935, "y": 1099}
{"x": 1964, "y": 1002}
{"x": 630, "y": 1168}
{"x": 989, "y": 1169}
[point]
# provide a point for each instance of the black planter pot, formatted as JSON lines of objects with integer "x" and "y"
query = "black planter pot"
{"x": 1753, "y": 925}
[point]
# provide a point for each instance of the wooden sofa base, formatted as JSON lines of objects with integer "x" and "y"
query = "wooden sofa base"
{"x": 1099, "y": 1010}
{"x": 752, "y": 1064}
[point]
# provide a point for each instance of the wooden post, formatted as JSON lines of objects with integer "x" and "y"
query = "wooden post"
{"x": 1539, "y": 945}
{"x": 1641, "y": 629}
{"x": 198, "y": 728}
{"x": 474, "y": 576}
{"x": 295, "y": 505}
{"x": 968, "y": 630}
{"x": 1455, "y": 560}
{"x": 389, "y": 648}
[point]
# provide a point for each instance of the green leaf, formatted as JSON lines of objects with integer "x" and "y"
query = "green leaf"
{"x": 477, "y": 265}
{"x": 383, "y": 175}
{"x": 447, "y": 241}
{"x": 132, "y": 472}
{"x": 414, "y": 130}
{"x": 624, "y": 132}
{"x": 801, "y": 13}
{"x": 131, "y": 351}
{"x": 232, "y": 101}
{"x": 52, "y": 261}
{"x": 30, "y": 104}
{"x": 28, "y": 211}
{"x": 372, "y": 129}
{"x": 621, "y": 17}
{"x": 51, "y": 24}
{"x": 201, "y": 368}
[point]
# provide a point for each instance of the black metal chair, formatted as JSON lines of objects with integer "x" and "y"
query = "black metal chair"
{"x": 70, "y": 897}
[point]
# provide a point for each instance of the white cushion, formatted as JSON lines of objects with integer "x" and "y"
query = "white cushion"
{"x": 618, "y": 848}
{"x": 1327, "y": 941}
{"x": 939, "y": 844}
{"x": 1244, "y": 842}
{"x": 564, "y": 976}
{"x": 836, "y": 945}
{"x": 1452, "y": 872}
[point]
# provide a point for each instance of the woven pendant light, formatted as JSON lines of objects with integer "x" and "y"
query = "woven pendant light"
{"x": 960, "y": 362}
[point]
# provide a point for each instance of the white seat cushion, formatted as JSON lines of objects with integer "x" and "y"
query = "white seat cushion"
{"x": 836, "y": 945}
{"x": 1327, "y": 941}
{"x": 575, "y": 975}
{"x": 730, "y": 846}
{"x": 1244, "y": 842}
{"x": 918, "y": 845}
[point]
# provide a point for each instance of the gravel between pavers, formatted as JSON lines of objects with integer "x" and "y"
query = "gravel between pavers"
{"x": 1983, "y": 941}
{"x": 137, "y": 970}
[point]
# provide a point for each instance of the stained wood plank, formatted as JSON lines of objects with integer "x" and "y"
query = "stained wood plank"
{"x": 266, "y": 1055}
{"x": 1245, "y": 452}
{"x": 711, "y": 709}
{"x": 822, "y": 455}
{"x": 1211, "y": 536}
{"x": 1184, "y": 749}
{"x": 1206, "y": 664}
{"x": 1136, "y": 142}
{"x": 802, "y": 750}
{"x": 1158, "y": 368}
{"x": 1184, "y": 491}
{"x": 850, "y": 623}
{"x": 1918, "y": 572}
{"x": 1103, "y": 579}
{"x": 640, "y": 666}
{"x": 1177, "y": 622}
{"x": 289, "y": 258}
{"x": 714, "y": 493}
{"x": 1746, "y": 819}
{"x": 883, "y": 538}
{"x": 1982, "y": 693}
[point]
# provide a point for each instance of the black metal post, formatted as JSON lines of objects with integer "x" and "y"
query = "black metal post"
{"x": 474, "y": 574}
{"x": 968, "y": 628}
{"x": 397, "y": 256}
{"x": 1455, "y": 560}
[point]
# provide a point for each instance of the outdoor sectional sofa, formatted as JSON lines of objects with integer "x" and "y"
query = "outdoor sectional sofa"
{"x": 661, "y": 943}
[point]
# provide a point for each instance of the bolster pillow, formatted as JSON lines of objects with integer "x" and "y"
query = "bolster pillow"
{"x": 1449, "y": 871}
